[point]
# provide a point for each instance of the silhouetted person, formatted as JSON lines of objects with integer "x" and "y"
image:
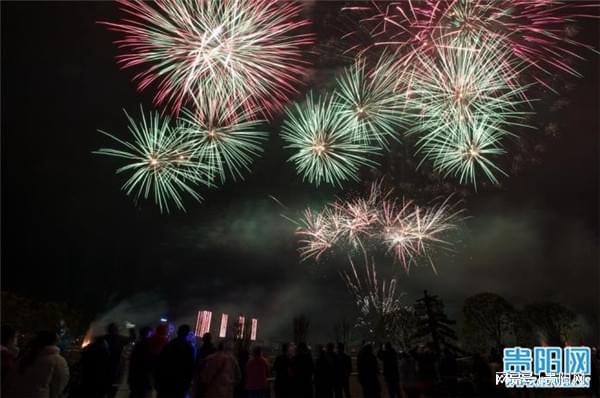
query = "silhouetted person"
{"x": 303, "y": 370}
{"x": 283, "y": 373}
{"x": 448, "y": 370}
{"x": 207, "y": 348}
{"x": 343, "y": 369}
{"x": 175, "y": 366}
{"x": 389, "y": 358}
{"x": 257, "y": 372}
{"x": 482, "y": 376}
{"x": 324, "y": 372}
{"x": 41, "y": 372}
{"x": 220, "y": 374}
{"x": 114, "y": 343}
{"x": 368, "y": 372}
{"x": 426, "y": 369}
{"x": 8, "y": 350}
{"x": 242, "y": 357}
{"x": 95, "y": 378}
{"x": 64, "y": 336}
{"x": 408, "y": 374}
{"x": 595, "y": 368}
{"x": 159, "y": 339}
{"x": 140, "y": 378}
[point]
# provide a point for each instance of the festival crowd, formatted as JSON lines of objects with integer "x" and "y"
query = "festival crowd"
{"x": 155, "y": 365}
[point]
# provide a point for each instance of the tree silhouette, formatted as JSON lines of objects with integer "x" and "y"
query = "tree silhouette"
{"x": 489, "y": 321}
{"x": 433, "y": 323}
{"x": 553, "y": 323}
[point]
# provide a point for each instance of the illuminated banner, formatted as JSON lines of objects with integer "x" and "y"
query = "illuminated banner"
{"x": 254, "y": 327}
{"x": 240, "y": 327}
{"x": 203, "y": 322}
{"x": 223, "y": 329}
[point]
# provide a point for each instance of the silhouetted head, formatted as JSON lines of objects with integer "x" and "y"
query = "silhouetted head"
{"x": 221, "y": 346}
{"x": 388, "y": 346}
{"x": 257, "y": 351}
{"x": 41, "y": 340}
{"x": 494, "y": 355}
{"x": 368, "y": 348}
{"x": 284, "y": 348}
{"x": 207, "y": 338}
{"x": 330, "y": 347}
{"x": 291, "y": 349}
{"x": 302, "y": 348}
{"x": 162, "y": 330}
{"x": 132, "y": 334}
{"x": 112, "y": 329}
{"x": 145, "y": 332}
{"x": 9, "y": 335}
{"x": 183, "y": 331}
{"x": 340, "y": 347}
{"x": 45, "y": 338}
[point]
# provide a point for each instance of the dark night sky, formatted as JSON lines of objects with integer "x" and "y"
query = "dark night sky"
{"x": 70, "y": 234}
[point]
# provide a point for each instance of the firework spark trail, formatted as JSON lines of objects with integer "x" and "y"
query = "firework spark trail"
{"x": 374, "y": 296}
{"x": 187, "y": 49}
{"x": 223, "y": 134}
{"x": 161, "y": 160}
{"x": 322, "y": 138}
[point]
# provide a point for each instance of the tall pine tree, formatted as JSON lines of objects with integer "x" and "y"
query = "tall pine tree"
{"x": 433, "y": 324}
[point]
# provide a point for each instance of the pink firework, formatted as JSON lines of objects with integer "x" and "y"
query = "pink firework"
{"x": 406, "y": 230}
{"x": 189, "y": 48}
{"x": 536, "y": 31}
{"x": 319, "y": 233}
{"x": 399, "y": 233}
{"x": 357, "y": 219}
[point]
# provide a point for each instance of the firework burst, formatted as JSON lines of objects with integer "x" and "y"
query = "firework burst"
{"x": 161, "y": 161}
{"x": 466, "y": 148}
{"x": 224, "y": 136}
{"x": 406, "y": 230}
{"x": 371, "y": 101}
{"x": 411, "y": 232}
{"x": 318, "y": 233}
{"x": 324, "y": 142}
{"x": 462, "y": 99}
{"x": 535, "y": 31}
{"x": 187, "y": 49}
{"x": 462, "y": 81}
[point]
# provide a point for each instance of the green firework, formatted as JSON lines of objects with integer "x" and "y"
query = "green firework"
{"x": 464, "y": 94}
{"x": 225, "y": 137}
{"x": 323, "y": 141}
{"x": 161, "y": 162}
{"x": 370, "y": 100}
{"x": 467, "y": 148}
